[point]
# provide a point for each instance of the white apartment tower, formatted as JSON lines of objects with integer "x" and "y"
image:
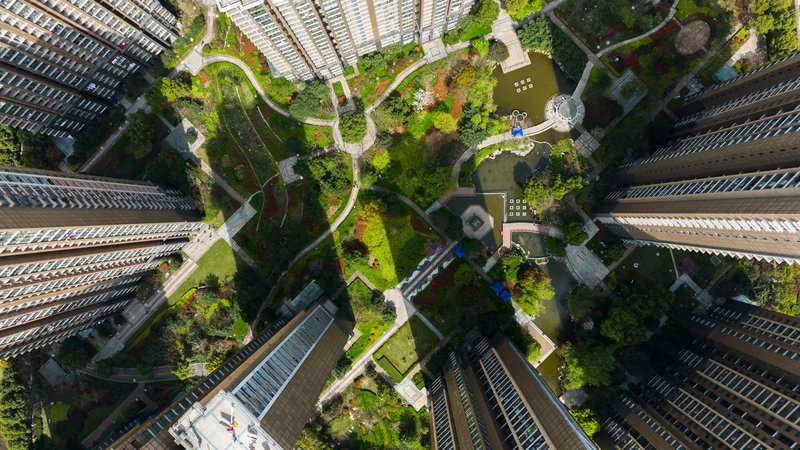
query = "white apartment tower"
{"x": 304, "y": 39}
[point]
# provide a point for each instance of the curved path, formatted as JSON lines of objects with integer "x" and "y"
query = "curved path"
{"x": 211, "y": 59}
{"x": 351, "y": 202}
{"x": 666, "y": 20}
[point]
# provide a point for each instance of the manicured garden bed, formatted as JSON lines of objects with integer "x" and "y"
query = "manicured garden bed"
{"x": 600, "y": 24}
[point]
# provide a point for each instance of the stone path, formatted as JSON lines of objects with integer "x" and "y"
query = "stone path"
{"x": 666, "y": 20}
{"x": 503, "y": 31}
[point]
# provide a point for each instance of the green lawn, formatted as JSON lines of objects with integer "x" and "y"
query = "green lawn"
{"x": 405, "y": 348}
{"x": 647, "y": 264}
{"x": 371, "y": 329}
{"x": 219, "y": 260}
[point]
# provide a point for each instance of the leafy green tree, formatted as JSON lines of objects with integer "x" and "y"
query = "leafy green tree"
{"x": 14, "y": 424}
{"x": 171, "y": 169}
{"x": 141, "y": 132}
{"x": 574, "y": 234}
{"x": 511, "y": 262}
{"x": 464, "y": 75}
{"x": 519, "y": 9}
{"x": 485, "y": 12}
{"x": 534, "y": 288}
{"x": 541, "y": 35}
{"x": 182, "y": 370}
{"x": 9, "y": 147}
{"x": 623, "y": 326}
{"x": 498, "y": 51}
{"x": 444, "y": 122}
{"x": 587, "y": 419}
{"x": 588, "y": 363}
{"x": 448, "y": 222}
{"x": 464, "y": 276}
{"x": 74, "y": 353}
{"x": 312, "y": 101}
{"x": 481, "y": 46}
{"x": 353, "y": 127}
{"x": 581, "y": 303}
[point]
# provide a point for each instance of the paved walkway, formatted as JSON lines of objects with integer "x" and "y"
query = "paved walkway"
{"x": 547, "y": 8}
{"x": 351, "y": 202}
{"x": 503, "y": 31}
{"x": 661, "y": 25}
{"x": 593, "y": 58}
{"x": 212, "y": 59}
{"x": 507, "y": 136}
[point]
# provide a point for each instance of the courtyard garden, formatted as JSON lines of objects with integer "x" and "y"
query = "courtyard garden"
{"x": 600, "y": 24}
{"x": 368, "y": 414}
{"x": 529, "y": 286}
{"x": 456, "y": 299}
{"x": 426, "y": 124}
{"x": 377, "y": 70}
{"x": 646, "y": 266}
{"x": 412, "y": 342}
{"x": 382, "y": 238}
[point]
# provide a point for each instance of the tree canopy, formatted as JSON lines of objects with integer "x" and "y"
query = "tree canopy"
{"x": 588, "y": 363}
{"x": 485, "y": 12}
{"x": 542, "y": 35}
{"x": 14, "y": 424}
{"x": 625, "y": 323}
{"x": 74, "y": 353}
{"x": 313, "y": 101}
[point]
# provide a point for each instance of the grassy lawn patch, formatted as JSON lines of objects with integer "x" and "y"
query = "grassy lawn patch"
{"x": 59, "y": 411}
{"x": 219, "y": 260}
{"x": 368, "y": 309}
{"x": 606, "y": 246}
{"x": 647, "y": 264}
{"x": 699, "y": 266}
{"x": 405, "y": 348}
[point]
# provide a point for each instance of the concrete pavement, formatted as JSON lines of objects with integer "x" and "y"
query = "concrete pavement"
{"x": 503, "y": 31}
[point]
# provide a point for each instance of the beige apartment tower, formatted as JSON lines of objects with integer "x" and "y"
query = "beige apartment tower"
{"x": 304, "y": 39}
{"x": 73, "y": 249}
{"x": 729, "y": 181}
{"x": 62, "y": 62}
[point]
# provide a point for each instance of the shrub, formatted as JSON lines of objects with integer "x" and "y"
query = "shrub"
{"x": 481, "y": 46}
{"x": 574, "y": 234}
{"x": 444, "y": 122}
{"x": 587, "y": 419}
{"x": 498, "y": 51}
{"x": 313, "y": 101}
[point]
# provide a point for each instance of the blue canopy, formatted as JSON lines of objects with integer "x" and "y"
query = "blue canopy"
{"x": 497, "y": 287}
{"x": 505, "y": 296}
{"x": 517, "y": 132}
{"x": 458, "y": 251}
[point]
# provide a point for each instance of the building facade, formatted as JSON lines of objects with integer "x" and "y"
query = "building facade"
{"x": 304, "y": 39}
{"x": 263, "y": 396}
{"x": 62, "y": 62}
{"x": 727, "y": 182}
{"x": 73, "y": 249}
{"x": 735, "y": 386}
{"x": 491, "y": 397}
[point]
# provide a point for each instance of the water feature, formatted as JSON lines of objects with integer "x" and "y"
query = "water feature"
{"x": 554, "y": 322}
{"x": 528, "y": 88}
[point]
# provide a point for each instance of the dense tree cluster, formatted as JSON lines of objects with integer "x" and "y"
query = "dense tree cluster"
{"x": 773, "y": 286}
{"x": 542, "y": 35}
{"x": 15, "y": 430}
{"x": 587, "y": 419}
{"x": 74, "y": 353}
{"x": 627, "y": 317}
{"x": 23, "y": 148}
{"x": 519, "y": 9}
{"x": 588, "y": 363}
{"x": 167, "y": 91}
{"x": 485, "y": 12}
{"x": 313, "y": 101}
{"x": 574, "y": 234}
{"x": 777, "y": 20}
{"x": 530, "y": 287}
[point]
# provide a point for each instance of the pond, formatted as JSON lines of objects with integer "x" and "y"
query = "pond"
{"x": 536, "y": 82}
{"x": 555, "y": 321}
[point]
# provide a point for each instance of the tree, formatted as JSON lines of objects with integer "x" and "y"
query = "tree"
{"x": 211, "y": 283}
{"x": 481, "y": 46}
{"x": 511, "y": 262}
{"x": 574, "y": 234}
{"x": 587, "y": 419}
{"x": 464, "y": 276}
{"x": 519, "y": 9}
{"x": 498, "y": 51}
{"x": 536, "y": 194}
{"x": 9, "y": 147}
{"x": 588, "y": 363}
{"x": 533, "y": 289}
{"x": 464, "y": 75}
{"x": 444, "y": 122}
{"x": 74, "y": 353}
{"x": 353, "y": 127}
{"x": 14, "y": 424}
{"x": 313, "y": 101}
{"x": 623, "y": 326}
{"x": 140, "y": 132}
{"x": 485, "y": 12}
{"x": 581, "y": 303}
{"x": 541, "y": 35}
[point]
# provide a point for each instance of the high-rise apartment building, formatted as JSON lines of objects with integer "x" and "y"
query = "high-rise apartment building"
{"x": 303, "y": 39}
{"x": 62, "y": 62}
{"x": 491, "y": 397}
{"x": 728, "y": 182}
{"x": 737, "y": 385}
{"x": 73, "y": 248}
{"x": 260, "y": 398}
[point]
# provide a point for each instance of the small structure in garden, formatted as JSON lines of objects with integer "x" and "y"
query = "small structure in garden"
{"x": 564, "y": 111}
{"x": 628, "y": 91}
{"x": 185, "y": 138}
{"x": 692, "y": 37}
{"x": 477, "y": 222}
